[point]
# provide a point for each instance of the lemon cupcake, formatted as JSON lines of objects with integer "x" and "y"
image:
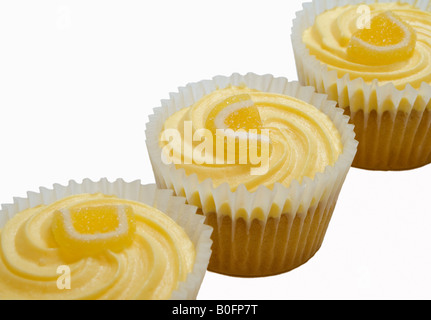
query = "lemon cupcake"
{"x": 102, "y": 240}
{"x": 264, "y": 159}
{"x": 374, "y": 60}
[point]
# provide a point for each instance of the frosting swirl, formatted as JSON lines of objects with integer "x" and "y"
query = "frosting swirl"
{"x": 329, "y": 37}
{"x": 303, "y": 140}
{"x": 159, "y": 257}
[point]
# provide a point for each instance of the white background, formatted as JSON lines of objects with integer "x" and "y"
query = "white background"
{"x": 78, "y": 80}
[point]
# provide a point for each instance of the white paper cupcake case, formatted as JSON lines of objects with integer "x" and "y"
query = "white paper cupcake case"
{"x": 175, "y": 207}
{"x": 264, "y": 203}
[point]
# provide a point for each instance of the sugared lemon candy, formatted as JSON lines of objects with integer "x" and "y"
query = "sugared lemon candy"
{"x": 236, "y": 112}
{"x": 239, "y": 119}
{"x": 388, "y": 40}
{"x": 94, "y": 228}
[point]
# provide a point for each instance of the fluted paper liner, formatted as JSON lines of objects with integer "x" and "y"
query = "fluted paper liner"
{"x": 255, "y": 232}
{"x": 392, "y": 125}
{"x": 175, "y": 207}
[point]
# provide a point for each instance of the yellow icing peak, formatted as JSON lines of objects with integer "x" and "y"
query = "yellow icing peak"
{"x": 334, "y": 39}
{"x": 300, "y": 140}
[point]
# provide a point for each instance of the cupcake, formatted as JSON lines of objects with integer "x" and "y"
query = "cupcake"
{"x": 102, "y": 240}
{"x": 374, "y": 60}
{"x": 262, "y": 158}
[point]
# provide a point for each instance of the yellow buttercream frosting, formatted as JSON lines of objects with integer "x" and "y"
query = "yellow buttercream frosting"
{"x": 328, "y": 40}
{"x": 33, "y": 265}
{"x": 302, "y": 140}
